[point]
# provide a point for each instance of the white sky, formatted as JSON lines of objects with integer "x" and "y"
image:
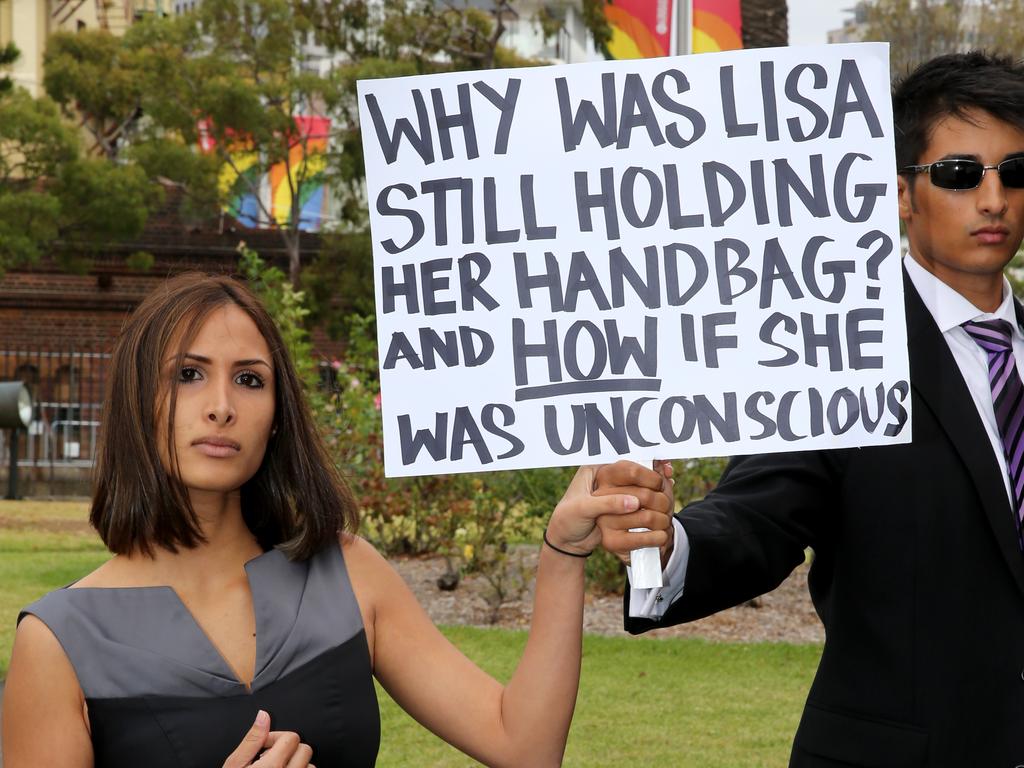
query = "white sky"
{"x": 809, "y": 20}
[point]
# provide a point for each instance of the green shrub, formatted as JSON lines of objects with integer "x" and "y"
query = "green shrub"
{"x": 695, "y": 478}
{"x": 606, "y": 575}
{"x": 288, "y": 308}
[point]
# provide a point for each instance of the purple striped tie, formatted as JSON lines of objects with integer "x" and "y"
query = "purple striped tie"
{"x": 994, "y": 336}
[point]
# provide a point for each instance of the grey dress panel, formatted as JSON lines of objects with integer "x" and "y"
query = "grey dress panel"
{"x": 142, "y": 641}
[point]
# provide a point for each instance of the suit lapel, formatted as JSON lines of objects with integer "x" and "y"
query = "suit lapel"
{"x": 936, "y": 379}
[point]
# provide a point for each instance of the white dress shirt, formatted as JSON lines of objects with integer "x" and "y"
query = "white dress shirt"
{"x": 949, "y": 309}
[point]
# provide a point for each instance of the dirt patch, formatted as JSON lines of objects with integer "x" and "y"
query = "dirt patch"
{"x": 784, "y": 615}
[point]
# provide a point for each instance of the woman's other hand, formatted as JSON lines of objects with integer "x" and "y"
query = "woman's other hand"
{"x": 573, "y": 526}
{"x": 263, "y": 748}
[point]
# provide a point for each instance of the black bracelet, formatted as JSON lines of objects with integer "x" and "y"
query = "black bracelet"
{"x": 562, "y": 551}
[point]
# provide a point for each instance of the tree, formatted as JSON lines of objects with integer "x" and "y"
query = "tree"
{"x": 264, "y": 87}
{"x": 51, "y": 197}
{"x": 916, "y": 29}
{"x": 439, "y": 35}
{"x": 8, "y": 55}
{"x": 87, "y": 74}
{"x": 765, "y": 23}
{"x": 922, "y": 29}
{"x": 34, "y": 143}
{"x": 1000, "y": 26}
{"x": 238, "y": 80}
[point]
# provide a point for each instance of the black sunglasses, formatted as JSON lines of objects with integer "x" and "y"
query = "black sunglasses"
{"x": 963, "y": 173}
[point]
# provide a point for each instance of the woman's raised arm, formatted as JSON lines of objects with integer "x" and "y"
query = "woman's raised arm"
{"x": 527, "y": 721}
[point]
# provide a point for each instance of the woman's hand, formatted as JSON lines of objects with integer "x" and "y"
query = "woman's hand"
{"x": 280, "y": 749}
{"x": 573, "y": 525}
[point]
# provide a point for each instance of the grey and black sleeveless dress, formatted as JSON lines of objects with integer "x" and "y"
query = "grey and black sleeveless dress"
{"x": 160, "y": 695}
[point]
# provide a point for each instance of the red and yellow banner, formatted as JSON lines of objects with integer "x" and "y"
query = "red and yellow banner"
{"x": 641, "y": 29}
{"x": 717, "y": 26}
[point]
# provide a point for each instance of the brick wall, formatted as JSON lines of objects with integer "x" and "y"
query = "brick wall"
{"x": 70, "y": 312}
{"x": 59, "y": 328}
{"x": 46, "y": 307}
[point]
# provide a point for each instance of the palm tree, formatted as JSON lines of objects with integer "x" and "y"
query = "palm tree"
{"x": 765, "y": 23}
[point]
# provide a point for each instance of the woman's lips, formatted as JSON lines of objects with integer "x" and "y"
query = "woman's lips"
{"x": 217, "y": 447}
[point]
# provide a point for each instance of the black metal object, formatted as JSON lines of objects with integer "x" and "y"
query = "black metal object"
{"x": 15, "y": 405}
{"x": 12, "y": 472}
{"x": 15, "y": 415}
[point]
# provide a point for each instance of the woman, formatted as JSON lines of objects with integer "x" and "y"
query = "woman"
{"x": 238, "y": 596}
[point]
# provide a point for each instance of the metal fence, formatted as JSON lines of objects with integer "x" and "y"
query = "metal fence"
{"x": 67, "y": 390}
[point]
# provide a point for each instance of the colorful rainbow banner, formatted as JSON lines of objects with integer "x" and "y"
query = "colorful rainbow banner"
{"x": 306, "y": 157}
{"x": 717, "y": 26}
{"x": 641, "y": 29}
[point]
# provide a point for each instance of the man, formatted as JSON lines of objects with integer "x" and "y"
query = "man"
{"x": 918, "y": 574}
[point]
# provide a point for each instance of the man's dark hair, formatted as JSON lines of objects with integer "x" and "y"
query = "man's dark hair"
{"x": 951, "y": 85}
{"x": 297, "y": 501}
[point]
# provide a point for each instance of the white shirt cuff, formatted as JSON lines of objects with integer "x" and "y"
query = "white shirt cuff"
{"x": 652, "y": 603}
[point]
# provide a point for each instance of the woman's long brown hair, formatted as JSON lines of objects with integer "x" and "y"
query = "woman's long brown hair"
{"x": 297, "y": 501}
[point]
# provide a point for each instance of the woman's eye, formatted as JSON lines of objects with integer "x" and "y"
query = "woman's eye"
{"x": 187, "y": 375}
{"x": 250, "y": 380}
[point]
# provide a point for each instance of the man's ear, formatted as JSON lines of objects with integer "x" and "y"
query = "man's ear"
{"x": 905, "y": 196}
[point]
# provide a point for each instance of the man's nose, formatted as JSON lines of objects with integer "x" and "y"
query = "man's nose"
{"x": 991, "y": 198}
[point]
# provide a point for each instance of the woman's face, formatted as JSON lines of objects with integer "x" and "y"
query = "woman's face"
{"x": 225, "y": 404}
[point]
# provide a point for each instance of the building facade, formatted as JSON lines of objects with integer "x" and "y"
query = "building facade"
{"x": 28, "y": 24}
{"x": 854, "y": 26}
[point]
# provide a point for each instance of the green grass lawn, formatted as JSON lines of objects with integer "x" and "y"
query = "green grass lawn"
{"x": 680, "y": 703}
{"x": 673, "y": 702}
{"x": 43, "y": 545}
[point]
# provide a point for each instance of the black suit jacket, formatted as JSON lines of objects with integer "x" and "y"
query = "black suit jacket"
{"x": 917, "y": 578}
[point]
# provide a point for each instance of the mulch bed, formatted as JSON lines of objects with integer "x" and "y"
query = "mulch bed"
{"x": 785, "y": 615}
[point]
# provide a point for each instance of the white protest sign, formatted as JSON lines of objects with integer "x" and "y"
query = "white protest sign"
{"x": 661, "y": 258}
